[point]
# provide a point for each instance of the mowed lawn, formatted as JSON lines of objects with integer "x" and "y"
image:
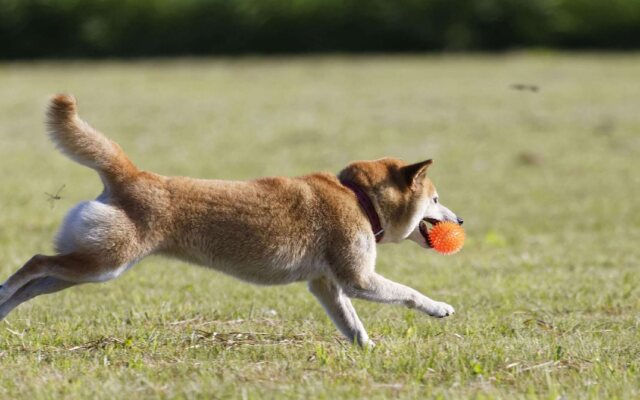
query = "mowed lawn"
{"x": 547, "y": 288}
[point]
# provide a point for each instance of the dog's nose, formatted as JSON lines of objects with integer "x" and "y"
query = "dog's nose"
{"x": 460, "y": 221}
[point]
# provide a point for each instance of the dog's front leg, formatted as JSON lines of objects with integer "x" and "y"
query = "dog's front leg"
{"x": 340, "y": 310}
{"x": 376, "y": 288}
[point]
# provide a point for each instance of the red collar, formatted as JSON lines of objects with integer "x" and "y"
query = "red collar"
{"x": 367, "y": 207}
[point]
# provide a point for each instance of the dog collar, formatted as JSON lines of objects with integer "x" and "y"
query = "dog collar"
{"x": 367, "y": 207}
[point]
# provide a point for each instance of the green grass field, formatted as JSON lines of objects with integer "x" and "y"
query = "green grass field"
{"x": 547, "y": 289}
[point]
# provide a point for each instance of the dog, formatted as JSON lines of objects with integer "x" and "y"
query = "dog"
{"x": 319, "y": 228}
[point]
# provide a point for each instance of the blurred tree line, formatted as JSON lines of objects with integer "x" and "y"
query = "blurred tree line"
{"x": 138, "y": 28}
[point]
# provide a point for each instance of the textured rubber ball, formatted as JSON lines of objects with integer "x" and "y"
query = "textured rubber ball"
{"x": 446, "y": 237}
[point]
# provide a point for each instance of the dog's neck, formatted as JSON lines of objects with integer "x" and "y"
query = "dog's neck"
{"x": 367, "y": 207}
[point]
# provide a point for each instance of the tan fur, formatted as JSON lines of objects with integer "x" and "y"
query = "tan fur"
{"x": 77, "y": 139}
{"x": 267, "y": 231}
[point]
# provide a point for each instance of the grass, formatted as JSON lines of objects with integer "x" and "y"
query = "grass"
{"x": 546, "y": 290}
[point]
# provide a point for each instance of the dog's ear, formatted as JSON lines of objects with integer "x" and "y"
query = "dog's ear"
{"x": 414, "y": 173}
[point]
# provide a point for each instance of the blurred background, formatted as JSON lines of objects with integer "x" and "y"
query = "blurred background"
{"x": 530, "y": 109}
{"x": 142, "y": 28}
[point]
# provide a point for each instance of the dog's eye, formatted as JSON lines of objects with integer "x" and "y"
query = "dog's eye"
{"x": 435, "y": 200}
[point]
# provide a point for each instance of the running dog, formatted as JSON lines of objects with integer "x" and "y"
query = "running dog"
{"x": 319, "y": 228}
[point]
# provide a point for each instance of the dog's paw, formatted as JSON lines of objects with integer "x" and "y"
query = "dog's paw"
{"x": 362, "y": 340}
{"x": 441, "y": 310}
{"x": 369, "y": 344}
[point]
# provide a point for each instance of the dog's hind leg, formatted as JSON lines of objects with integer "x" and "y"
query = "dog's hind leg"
{"x": 340, "y": 310}
{"x": 33, "y": 269}
{"x": 73, "y": 267}
{"x": 32, "y": 289}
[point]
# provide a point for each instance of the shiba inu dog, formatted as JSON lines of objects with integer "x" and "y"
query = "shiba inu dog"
{"x": 319, "y": 228}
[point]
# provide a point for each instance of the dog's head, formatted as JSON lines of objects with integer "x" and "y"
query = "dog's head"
{"x": 404, "y": 197}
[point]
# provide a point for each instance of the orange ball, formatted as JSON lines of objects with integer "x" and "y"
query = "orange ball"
{"x": 446, "y": 237}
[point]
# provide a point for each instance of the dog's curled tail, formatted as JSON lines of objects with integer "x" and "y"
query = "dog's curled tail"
{"x": 85, "y": 145}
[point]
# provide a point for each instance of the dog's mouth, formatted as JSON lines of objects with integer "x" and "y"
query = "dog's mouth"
{"x": 424, "y": 228}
